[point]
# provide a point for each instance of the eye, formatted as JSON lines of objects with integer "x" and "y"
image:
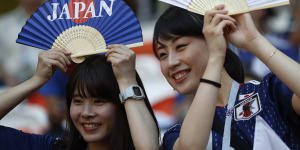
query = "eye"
{"x": 77, "y": 101}
{"x": 181, "y": 46}
{"x": 162, "y": 55}
{"x": 99, "y": 101}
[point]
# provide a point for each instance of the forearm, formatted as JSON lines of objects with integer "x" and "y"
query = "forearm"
{"x": 286, "y": 69}
{"x": 15, "y": 95}
{"x": 143, "y": 129}
{"x": 197, "y": 124}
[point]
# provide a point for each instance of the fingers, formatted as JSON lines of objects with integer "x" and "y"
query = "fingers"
{"x": 55, "y": 58}
{"x": 122, "y": 50}
{"x": 64, "y": 54}
{"x": 217, "y": 20}
{"x": 119, "y": 48}
{"x": 219, "y": 9}
{"x": 219, "y": 17}
{"x": 226, "y": 23}
{"x": 58, "y": 61}
{"x": 121, "y": 56}
{"x": 57, "y": 64}
{"x": 115, "y": 58}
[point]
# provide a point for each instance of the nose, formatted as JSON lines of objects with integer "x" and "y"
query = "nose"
{"x": 88, "y": 110}
{"x": 173, "y": 60}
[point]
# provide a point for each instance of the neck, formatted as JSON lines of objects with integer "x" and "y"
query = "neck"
{"x": 226, "y": 82}
{"x": 98, "y": 146}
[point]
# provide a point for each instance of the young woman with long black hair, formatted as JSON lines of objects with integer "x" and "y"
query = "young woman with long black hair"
{"x": 225, "y": 112}
{"x": 97, "y": 118}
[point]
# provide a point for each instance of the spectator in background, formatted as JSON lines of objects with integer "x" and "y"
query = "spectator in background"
{"x": 17, "y": 61}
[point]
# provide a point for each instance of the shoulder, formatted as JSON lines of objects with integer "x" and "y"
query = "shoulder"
{"x": 269, "y": 81}
{"x": 16, "y": 139}
{"x": 270, "y": 87}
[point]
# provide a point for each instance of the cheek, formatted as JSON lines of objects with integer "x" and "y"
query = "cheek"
{"x": 164, "y": 69}
{"x": 74, "y": 112}
{"x": 198, "y": 60}
{"x": 108, "y": 112}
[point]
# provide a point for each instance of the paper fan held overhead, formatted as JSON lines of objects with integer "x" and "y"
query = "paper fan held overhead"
{"x": 84, "y": 27}
{"x": 233, "y": 6}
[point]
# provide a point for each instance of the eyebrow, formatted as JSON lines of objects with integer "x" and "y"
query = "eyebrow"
{"x": 174, "y": 39}
{"x": 76, "y": 95}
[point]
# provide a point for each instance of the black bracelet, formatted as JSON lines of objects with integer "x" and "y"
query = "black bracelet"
{"x": 216, "y": 84}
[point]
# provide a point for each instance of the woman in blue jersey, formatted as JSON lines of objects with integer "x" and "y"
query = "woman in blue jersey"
{"x": 226, "y": 113}
{"x": 96, "y": 117}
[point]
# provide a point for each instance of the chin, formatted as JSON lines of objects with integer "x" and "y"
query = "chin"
{"x": 184, "y": 91}
{"x": 92, "y": 139}
{"x": 187, "y": 89}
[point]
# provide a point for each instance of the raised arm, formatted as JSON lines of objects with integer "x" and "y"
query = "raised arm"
{"x": 143, "y": 129}
{"x": 286, "y": 69}
{"x": 48, "y": 61}
{"x": 197, "y": 124}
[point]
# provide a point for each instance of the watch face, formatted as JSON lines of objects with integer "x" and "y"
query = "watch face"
{"x": 137, "y": 91}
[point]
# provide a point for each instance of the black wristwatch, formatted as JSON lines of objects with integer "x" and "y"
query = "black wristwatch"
{"x": 132, "y": 92}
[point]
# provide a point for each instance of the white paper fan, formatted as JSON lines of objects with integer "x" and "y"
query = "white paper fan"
{"x": 83, "y": 27}
{"x": 233, "y": 6}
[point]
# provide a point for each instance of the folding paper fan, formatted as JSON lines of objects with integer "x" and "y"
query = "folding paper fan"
{"x": 83, "y": 27}
{"x": 233, "y": 6}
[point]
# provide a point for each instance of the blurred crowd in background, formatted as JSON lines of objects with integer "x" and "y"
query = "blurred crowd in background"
{"x": 43, "y": 112}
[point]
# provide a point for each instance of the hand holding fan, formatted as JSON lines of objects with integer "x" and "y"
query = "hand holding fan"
{"x": 233, "y": 6}
{"x": 83, "y": 27}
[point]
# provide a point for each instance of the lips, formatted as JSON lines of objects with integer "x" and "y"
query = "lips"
{"x": 89, "y": 127}
{"x": 180, "y": 76}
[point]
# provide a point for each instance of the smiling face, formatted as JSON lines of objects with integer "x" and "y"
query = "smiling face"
{"x": 183, "y": 61}
{"x": 93, "y": 118}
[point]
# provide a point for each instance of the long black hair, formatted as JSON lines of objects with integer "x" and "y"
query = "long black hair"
{"x": 95, "y": 76}
{"x": 176, "y": 21}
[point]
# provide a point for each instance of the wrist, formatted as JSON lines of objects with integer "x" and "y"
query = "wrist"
{"x": 252, "y": 44}
{"x": 124, "y": 84}
{"x": 39, "y": 79}
{"x": 217, "y": 61}
{"x": 133, "y": 92}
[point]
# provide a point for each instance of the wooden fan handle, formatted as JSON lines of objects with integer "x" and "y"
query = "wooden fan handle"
{"x": 79, "y": 58}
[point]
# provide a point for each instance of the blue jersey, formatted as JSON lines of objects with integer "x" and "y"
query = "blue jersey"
{"x": 269, "y": 99}
{"x": 12, "y": 139}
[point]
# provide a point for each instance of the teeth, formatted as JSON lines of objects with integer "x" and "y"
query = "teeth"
{"x": 179, "y": 75}
{"x": 90, "y": 125}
